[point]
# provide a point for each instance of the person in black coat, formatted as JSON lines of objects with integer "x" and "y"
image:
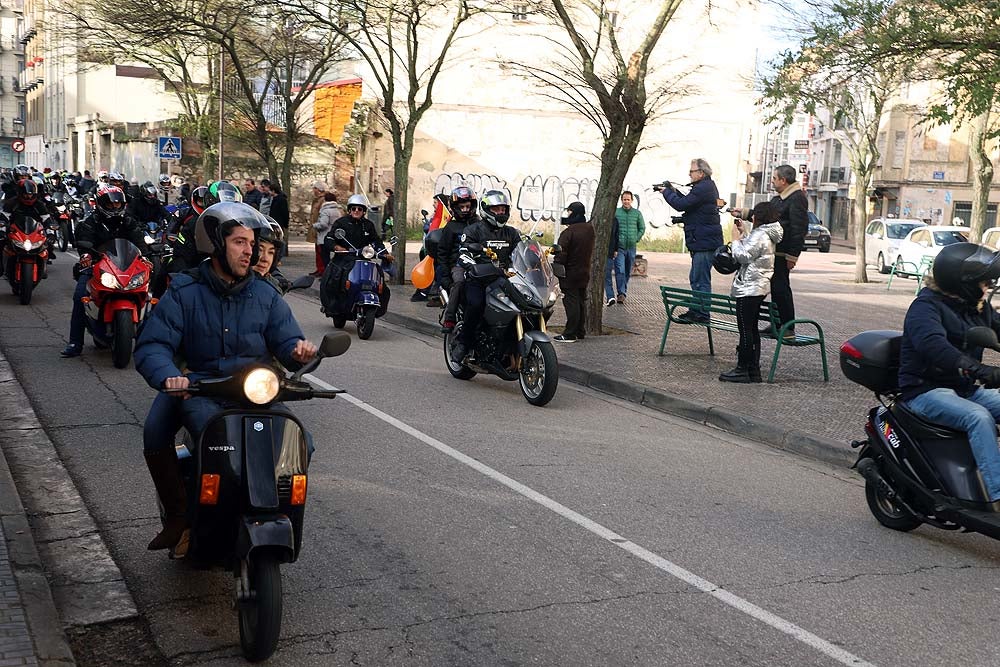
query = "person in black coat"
{"x": 576, "y": 251}
{"x": 451, "y": 276}
{"x": 279, "y": 207}
{"x": 793, "y": 212}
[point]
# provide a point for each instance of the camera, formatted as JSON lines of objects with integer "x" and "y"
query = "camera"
{"x": 741, "y": 213}
{"x": 665, "y": 185}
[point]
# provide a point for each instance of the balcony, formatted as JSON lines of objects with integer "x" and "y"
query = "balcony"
{"x": 839, "y": 175}
{"x": 28, "y": 36}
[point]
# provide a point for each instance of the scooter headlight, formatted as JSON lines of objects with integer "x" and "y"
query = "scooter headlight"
{"x": 368, "y": 252}
{"x": 261, "y": 386}
{"x": 109, "y": 281}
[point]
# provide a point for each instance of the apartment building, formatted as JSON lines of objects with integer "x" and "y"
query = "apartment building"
{"x": 12, "y": 62}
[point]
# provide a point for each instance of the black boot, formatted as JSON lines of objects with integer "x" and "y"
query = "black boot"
{"x": 170, "y": 488}
{"x": 753, "y": 373}
{"x": 738, "y": 374}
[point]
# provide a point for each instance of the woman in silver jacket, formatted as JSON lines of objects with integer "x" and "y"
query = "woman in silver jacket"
{"x": 755, "y": 255}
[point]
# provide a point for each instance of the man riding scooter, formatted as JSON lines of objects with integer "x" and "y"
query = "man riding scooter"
{"x": 938, "y": 380}
{"x": 222, "y": 320}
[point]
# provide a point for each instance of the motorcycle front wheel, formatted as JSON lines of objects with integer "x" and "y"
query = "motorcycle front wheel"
{"x": 539, "y": 374}
{"x": 366, "y": 324}
{"x": 62, "y": 237}
{"x": 888, "y": 513}
{"x": 457, "y": 370}
{"x": 27, "y": 285}
{"x": 121, "y": 338}
{"x": 260, "y": 616}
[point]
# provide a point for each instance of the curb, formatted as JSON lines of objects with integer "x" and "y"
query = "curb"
{"x": 773, "y": 435}
{"x": 58, "y": 539}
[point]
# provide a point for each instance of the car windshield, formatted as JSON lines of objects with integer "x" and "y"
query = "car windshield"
{"x": 949, "y": 237}
{"x": 899, "y": 231}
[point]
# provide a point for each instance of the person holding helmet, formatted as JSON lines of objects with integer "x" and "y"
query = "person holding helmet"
{"x": 938, "y": 375}
{"x": 221, "y": 320}
{"x": 492, "y": 232}
{"x": 753, "y": 254}
{"x": 105, "y": 223}
{"x": 450, "y": 276}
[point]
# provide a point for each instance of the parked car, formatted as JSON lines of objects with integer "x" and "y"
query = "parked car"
{"x": 991, "y": 238}
{"x": 818, "y": 236}
{"x": 927, "y": 241}
{"x": 883, "y": 237}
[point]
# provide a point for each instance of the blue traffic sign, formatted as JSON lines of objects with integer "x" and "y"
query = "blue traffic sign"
{"x": 169, "y": 148}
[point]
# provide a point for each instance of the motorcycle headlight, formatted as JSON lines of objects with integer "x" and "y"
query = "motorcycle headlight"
{"x": 261, "y": 386}
{"x": 137, "y": 281}
{"x": 529, "y": 295}
{"x": 109, "y": 281}
{"x": 368, "y": 252}
{"x": 60, "y": 208}
{"x": 25, "y": 245}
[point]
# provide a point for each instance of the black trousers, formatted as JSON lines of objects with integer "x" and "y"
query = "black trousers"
{"x": 748, "y": 350}
{"x": 575, "y": 303}
{"x": 781, "y": 291}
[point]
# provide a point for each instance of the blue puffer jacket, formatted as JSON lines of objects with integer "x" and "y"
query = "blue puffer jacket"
{"x": 215, "y": 335}
{"x": 702, "y": 228}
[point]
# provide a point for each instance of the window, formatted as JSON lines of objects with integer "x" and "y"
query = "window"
{"x": 520, "y": 12}
{"x": 613, "y": 19}
{"x": 963, "y": 210}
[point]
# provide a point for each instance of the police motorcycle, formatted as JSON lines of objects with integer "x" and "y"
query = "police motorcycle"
{"x": 915, "y": 471}
{"x": 246, "y": 478}
{"x": 512, "y": 341}
{"x": 367, "y": 294}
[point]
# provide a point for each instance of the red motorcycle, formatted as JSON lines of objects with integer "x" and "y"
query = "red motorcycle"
{"x": 25, "y": 252}
{"x": 118, "y": 292}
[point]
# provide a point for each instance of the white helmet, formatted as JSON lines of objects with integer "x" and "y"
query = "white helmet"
{"x": 358, "y": 200}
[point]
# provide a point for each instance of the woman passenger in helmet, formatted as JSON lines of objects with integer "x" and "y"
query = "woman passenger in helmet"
{"x": 938, "y": 375}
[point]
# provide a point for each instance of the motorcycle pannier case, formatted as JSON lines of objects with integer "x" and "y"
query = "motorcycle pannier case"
{"x": 871, "y": 359}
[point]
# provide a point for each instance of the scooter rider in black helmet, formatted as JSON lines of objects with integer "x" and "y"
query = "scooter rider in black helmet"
{"x": 937, "y": 375}
{"x": 493, "y": 233}
{"x": 462, "y": 205}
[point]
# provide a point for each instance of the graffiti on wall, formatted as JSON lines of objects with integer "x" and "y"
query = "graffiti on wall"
{"x": 543, "y": 198}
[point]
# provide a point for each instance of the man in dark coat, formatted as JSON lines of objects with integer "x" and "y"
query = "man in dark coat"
{"x": 793, "y": 211}
{"x": 702, "y": 229}
{"x": 576, "y": 251}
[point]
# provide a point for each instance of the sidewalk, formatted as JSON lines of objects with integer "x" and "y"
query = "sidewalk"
{"x": 799, "y": 411}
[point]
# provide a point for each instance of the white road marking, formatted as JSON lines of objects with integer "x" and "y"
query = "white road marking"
{"x": 657, "y": 561}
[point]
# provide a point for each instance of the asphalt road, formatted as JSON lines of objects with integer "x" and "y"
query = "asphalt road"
{"x": 450, "y": 522}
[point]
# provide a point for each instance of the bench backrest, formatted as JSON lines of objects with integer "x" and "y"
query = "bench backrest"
{"x": 719, "y": 304}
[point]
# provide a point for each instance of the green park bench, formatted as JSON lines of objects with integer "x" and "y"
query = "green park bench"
{"x": 722, "y": 317}
{"x": 918, "y": 271}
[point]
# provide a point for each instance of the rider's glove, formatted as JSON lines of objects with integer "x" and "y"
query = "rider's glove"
{"x": 988, "y": 376}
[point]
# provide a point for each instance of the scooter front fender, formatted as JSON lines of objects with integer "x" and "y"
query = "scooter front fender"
{"x": 272, "y": 531}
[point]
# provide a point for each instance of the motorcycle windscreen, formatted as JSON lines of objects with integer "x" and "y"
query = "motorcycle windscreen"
{"x": 530, "y": 261}
{"x": 58, "y": 198}
{"x": 26, "y": 224}
{"x": 120, "y": 252}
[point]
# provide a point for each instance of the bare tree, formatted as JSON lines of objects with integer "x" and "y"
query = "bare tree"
{"x": 405, "y": 44}
{"x": 605, "y": 84}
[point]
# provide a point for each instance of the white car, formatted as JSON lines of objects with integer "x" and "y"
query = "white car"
{"x": 883, "y": 237}
{"x": 991, "y": 238}
{"x": 927, "y": 242}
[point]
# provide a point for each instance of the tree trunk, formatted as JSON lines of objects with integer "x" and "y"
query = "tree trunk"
{"x": 982, "y": 176}
{"x": 616, "y": 157}
{"x": 859, "y": 213}
{"x": 401, "y": 182}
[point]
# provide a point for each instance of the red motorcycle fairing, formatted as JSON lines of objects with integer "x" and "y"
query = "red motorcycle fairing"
{"x": 26, "y": 241}
{"x": 120, "y": 280}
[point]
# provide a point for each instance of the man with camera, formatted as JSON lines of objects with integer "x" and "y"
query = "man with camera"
{"x": 702, "y": 228}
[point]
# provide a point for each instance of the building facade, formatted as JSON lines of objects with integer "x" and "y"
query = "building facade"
{"x": 12, "y": 62}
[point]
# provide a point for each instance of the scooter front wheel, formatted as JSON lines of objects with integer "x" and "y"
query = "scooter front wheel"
{"x": 260, "y": 616}
{"x": 366, "y": 324}
{"x": 888, "y": 513}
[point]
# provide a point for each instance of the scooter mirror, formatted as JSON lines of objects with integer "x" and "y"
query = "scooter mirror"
{"x": 339, "y": 234}
{"x": 335, "y": 344}
{"x": 981, "y": 337}
{"x": 302, "y": 282}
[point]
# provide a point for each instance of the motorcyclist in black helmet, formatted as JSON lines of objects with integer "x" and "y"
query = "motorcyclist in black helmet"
{"x": 462, "y": 206}
{"x": 147, "y": 208}
{"x": 492, "y": 233}
{"x": 937, "y": 375}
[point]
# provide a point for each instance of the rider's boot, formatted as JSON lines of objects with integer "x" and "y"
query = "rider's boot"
{"x": 166, "y": 476}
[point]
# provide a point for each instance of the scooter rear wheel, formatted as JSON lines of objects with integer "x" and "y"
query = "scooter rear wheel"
{"x": 260, "y": 618}
{"x": 888, "y": 513}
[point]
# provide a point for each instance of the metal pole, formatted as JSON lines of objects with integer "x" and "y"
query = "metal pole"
{"x": 222, "y": 103}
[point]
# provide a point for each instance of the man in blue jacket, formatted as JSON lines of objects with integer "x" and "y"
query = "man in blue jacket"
{"x": 220, "y": 320}
{"x": 702, "y": 229}
{"x": 938, "y": 374}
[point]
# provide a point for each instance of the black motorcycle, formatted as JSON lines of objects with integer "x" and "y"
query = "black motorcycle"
{"x": 915, "y": 471}
{"x": 246, "y": 479}
{"x": 512, "y": 341}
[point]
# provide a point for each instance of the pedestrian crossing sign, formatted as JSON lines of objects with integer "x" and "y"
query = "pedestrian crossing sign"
{"x": 170, "y": 148}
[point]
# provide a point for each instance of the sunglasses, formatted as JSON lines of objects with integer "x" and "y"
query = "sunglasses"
{"x": 352, "y": 209}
